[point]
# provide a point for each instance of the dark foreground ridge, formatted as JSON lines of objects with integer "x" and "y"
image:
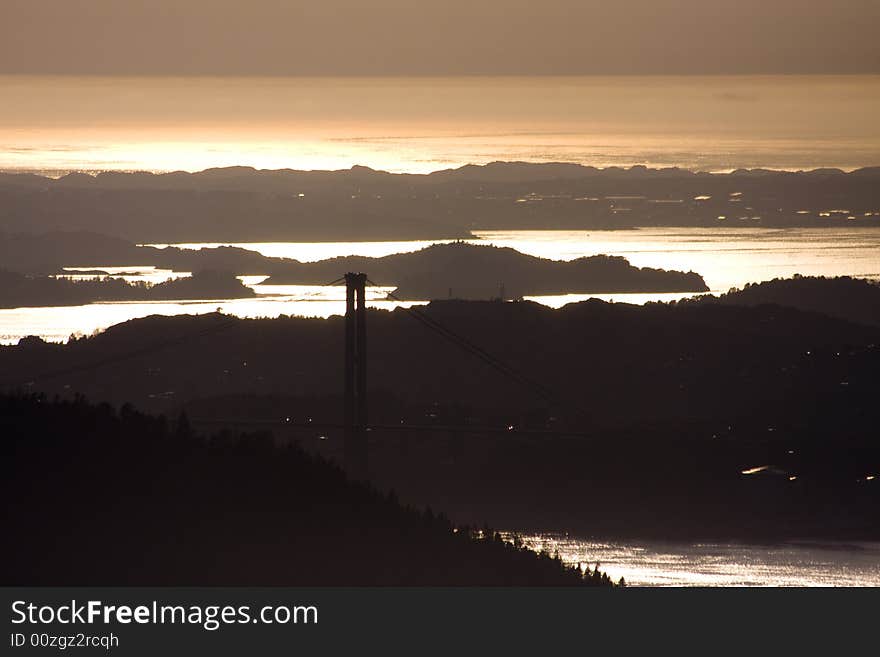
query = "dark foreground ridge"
{"x": 690, "y": 420}
{"x": 853, "y": 299}
{"x": 96, "y": 497}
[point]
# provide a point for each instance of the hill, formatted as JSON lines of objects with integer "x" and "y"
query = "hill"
{"x": 459, "y": 269}
{"x": 48, "y": 253}
{"x": 468, "y": 271}
{"x": 22, "y": 291}
{"x": 239, "y": 204}
{"x": 654, "y": 410}
{"x": 853, "y": 299}
{"x": 119, "y": 498}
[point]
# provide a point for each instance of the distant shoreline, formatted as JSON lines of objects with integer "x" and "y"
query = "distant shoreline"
{"x": 236, "y": 204}
{"x": 55, "y": 173}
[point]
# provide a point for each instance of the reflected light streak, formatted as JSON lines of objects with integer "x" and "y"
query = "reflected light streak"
{"x": 662, "y": 563}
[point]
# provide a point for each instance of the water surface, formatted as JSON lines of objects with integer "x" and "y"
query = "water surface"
{"x": 709, "y": 123}
{"x": 647, "y": 563}
{"x": 726, "y": 258}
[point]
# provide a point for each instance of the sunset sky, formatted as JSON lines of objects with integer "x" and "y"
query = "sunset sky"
{"x": 409, "y": 85}
{"x": 413, "y": 37}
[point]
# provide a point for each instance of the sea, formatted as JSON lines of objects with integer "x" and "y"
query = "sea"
{"x": 710, "y": 564}
{"x": 53, "y": 125}
{"x": 56, "y": 125}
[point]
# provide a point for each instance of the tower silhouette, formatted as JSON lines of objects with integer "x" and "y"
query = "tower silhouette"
{"x": 355, "y": 397}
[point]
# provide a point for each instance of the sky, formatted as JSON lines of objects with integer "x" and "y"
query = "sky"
{"x": 448, "y": 37}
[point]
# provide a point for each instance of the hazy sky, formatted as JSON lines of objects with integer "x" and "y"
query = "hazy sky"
{"x": 394, "y": 37}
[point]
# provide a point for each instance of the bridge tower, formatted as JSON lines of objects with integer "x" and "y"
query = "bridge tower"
{"x": 355, "y": 394}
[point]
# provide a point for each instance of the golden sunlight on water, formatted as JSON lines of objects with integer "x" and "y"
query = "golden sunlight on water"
{"x": 57, "y": 324}
{"x": 647, "y": 563}
{"x": 57, "y": 124}
{"x": 144, "y": 274}
{"x": 725, "y": 258}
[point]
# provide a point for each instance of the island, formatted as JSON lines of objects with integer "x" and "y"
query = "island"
{"x": 460, "y": 270}
{"x": 22, "y": 291}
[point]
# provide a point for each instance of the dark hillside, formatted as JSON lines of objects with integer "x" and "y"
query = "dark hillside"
{"x": 240, "y": 204}
{"x": 106, "y": 498}
{"x": 647, "y": 416}
{"x": 848, "y": 298}
{"x": 20, "y": 291}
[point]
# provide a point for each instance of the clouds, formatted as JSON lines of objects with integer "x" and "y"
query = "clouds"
{"x": 382, "y": 37}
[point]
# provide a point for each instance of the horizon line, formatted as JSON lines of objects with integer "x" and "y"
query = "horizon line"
{"x": 437, "y": 75}
{"x": 94, "y": 172}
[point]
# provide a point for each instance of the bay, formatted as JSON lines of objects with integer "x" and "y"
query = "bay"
{"x": 726, "y": 258}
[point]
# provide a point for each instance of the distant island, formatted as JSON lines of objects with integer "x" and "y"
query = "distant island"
{"x": 237, "y": 204}
{"x": 469, "y": 271}
{"x": 50, "y": 253}
{"x": 20, "y": 291}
